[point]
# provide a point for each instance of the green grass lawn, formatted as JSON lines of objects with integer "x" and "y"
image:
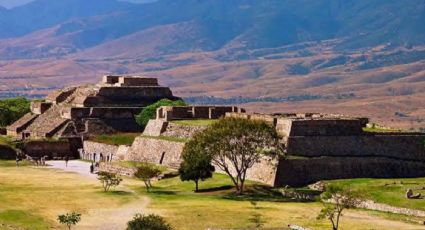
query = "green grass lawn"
{"x": 32, "y": 197}
{"x": 388, "y": 191}
{"x": 116, "y": 139}
{"x": 167, "y": 138}
{"x": 197, "y": 122}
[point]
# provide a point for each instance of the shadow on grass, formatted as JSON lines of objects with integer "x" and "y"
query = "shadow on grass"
{"x": 161, "y": 192}
{"x": 117, "y": 193}
{"x": 260, "y": 193}
{"x": 215, "y": 189}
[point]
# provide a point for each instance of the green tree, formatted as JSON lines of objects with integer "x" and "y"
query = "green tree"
{"x": 69, "y": 219}
{"x": 108, "y": 180}
{"x": 12, "y": 109}
{"x": 195, "y": 166}
{"x": 147, "y": 172}
{"x": 150, "y": 222}
{"x": 236, "y": 144}
{"x": 150, "y": 111}
{"x": 336, "y": 201}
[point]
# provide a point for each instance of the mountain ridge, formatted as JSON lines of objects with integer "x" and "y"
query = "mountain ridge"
{"x": 330, "y": 52}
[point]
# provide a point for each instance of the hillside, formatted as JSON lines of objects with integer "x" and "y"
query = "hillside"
{"x": 344, "y": 56}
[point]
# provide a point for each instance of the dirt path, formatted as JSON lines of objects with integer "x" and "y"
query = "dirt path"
{"x": 105, "y": 218}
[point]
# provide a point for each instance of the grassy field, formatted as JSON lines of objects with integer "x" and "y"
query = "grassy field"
{"x": 32, "y": 197}
{"x": 117, "y": 139}
{"x": 198, "y": 122}
{"x": 167, "y": 138}
{"x": 388, "y": 191}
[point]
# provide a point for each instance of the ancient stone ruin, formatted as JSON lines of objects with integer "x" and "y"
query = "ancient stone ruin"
{"x": 94, "y": 109}
{"x": 318, "y": 146}
{"x": 78, "y": 112}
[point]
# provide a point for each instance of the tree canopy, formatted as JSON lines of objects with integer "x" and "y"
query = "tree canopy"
{"x": 12, "y": 109}
{"x": 196, "y": 165}
{"x": 235, "y": 145}
{"x": 149, "y": 112}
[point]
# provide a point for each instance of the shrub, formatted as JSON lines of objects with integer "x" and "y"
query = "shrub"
{"x": 150, "y": 111}
{"x": 150, "y": 222}
{"x": 69, "y": 219}
{"x": 147, "y": 172}
{"x": 109, "y": 180}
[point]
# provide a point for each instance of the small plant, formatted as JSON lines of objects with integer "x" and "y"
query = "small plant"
{"x": 147, "y": 172}
{"x": 150, "y": 222}
{"x": 339, "y": 201}
{"x": 69, "y": 219}
{"x": 108, "y": 180}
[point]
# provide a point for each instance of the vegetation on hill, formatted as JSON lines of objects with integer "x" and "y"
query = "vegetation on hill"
{"x": 116, "y": 139}
{"x": 12, "y": 109}
{"x": 198, "y": 122}
{"x": 150, "y": 111}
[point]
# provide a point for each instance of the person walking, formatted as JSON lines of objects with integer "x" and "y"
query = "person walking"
{"x": 91, "y": 168}
{"x": 66, "y": 160}
{"x": 17, "y": 160}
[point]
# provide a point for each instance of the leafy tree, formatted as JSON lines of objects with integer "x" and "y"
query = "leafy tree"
{"x": 69, "y": 219}
{"x": 195, "y": 165}
{"x": 337, "y": 200}
{"x": 108, "y": 180}
{"x": 236, "y": 144}
{"x": 150, "y": 222}
{"x": 12, "y": 109}
{"x": 150, "y": 111}
{"x": 147, "y": 172}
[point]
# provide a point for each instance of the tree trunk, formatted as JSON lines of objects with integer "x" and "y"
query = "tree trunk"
{"x": 196, "y": 185}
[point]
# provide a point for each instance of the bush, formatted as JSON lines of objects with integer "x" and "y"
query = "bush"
{"x": 150, "y": 222}
{"x": 108, "y": 180}
{"x": 150, "y": 111}
{"x": 69, "y": 219}
{"x": 12, "y": 109}
{"x": 147, "y": 172}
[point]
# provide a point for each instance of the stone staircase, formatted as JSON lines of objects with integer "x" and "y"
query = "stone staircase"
{"x": 23, "y": 122}
{"x": 48, "y": 123}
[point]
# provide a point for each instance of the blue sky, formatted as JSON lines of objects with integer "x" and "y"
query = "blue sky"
{"x": 13, "y": 3}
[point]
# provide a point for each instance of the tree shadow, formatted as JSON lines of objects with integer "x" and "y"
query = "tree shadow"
{"x": 261, "y": 193}
{"x": 215, "y": 189}
{"x": 162, "y": 192}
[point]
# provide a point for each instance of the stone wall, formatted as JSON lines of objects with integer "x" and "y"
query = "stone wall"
{"x": 182, "y": 131}
{"x": 326, "y": 127}
{"x": 154, "y": 128}
{"x": 52, "y": 149}
{"x": 94, "y": 151}
{"x": 156, "y": 151}
{"x": 406, "y": 147}
{"x": 40, "y": 107}
{"x": 300, "y": 172}
{"x": 194, "y": 112}
{"x": 107, "y": 167}
{"x": 121, "y": 153}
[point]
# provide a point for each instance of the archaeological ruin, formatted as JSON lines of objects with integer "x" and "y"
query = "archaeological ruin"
{"x": 317, "y": 146}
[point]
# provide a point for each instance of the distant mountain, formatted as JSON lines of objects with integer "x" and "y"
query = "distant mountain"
{"x": 83, "y": 24}
{"x": 346, "y": 50}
